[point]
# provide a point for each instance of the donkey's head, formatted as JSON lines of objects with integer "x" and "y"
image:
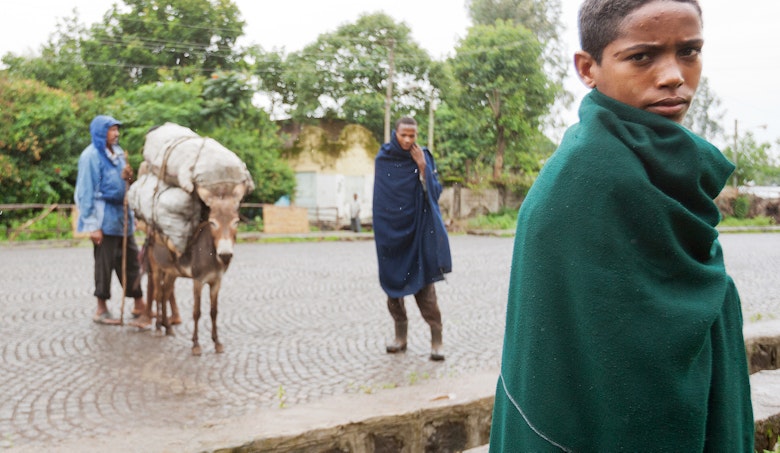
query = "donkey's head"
{"x": 223, "y": 202}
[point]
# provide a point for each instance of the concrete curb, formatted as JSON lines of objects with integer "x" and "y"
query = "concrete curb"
{"x": 447, "y": 414}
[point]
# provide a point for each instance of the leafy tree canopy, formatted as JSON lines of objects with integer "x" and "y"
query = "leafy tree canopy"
{"x": 41, "y": 136}
{"x": 345, "y": 73}
{"x": 503, "y": 93}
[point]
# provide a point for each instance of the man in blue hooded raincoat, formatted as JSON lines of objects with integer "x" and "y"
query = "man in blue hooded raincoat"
{"x": 412, "y": 247}
{"x": 100, "y": 194}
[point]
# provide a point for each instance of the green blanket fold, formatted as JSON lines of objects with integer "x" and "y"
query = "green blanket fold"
{"x": 623, "y": 330}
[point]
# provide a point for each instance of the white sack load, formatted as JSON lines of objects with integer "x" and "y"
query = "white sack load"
{"x": 191, "y": 160}
{"x": 170, "y": 210}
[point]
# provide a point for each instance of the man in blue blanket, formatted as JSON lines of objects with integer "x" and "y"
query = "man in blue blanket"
{"x": 412, "y": 247}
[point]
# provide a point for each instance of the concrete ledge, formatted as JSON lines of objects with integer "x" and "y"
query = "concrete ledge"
{"x": 765, "y": 392}
{"x": 762, "y": 344}
{"x": 439, "y": 415}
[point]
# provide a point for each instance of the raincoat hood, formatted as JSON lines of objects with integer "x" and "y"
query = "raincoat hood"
{"x": 99, "y": 130}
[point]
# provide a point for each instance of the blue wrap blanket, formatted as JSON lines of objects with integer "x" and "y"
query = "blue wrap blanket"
{"x": 411, "y": 240}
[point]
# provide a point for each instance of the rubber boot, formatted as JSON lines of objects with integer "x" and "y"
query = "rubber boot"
{"x": 437, "y": 348}
{"x": 399, "y": 344}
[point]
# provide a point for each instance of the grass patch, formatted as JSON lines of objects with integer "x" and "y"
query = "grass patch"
{"x": 760, "y": 221}
{"x": 505, "y": 219}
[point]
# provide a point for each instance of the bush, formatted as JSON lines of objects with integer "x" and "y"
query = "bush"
{"x": 505, "y": 219}
{"x": 741, "y": 206}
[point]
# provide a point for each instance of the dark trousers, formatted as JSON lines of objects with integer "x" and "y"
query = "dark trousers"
{"x": 426, "y": 302}
{"x": 355, "y": 224}
{"x": 108, "y": 258}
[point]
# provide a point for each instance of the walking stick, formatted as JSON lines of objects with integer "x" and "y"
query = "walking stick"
{"x": 124, "y": 257}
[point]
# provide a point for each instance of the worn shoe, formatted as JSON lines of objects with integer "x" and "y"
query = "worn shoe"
{"x": 105, "y": 319}
{"x": 396, "y": 347}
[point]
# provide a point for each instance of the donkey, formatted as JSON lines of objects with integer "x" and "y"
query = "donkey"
{"x": 206, "y": 258}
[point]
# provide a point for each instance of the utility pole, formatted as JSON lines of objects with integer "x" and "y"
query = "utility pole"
{"x": 389, "y": 92}
{"x": 430, "y": 122}
{"x": 734, "y": 154}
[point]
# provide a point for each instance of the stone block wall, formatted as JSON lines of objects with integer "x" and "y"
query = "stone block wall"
{"x": 285, "y": 219}
{"x": 458, "y": 202}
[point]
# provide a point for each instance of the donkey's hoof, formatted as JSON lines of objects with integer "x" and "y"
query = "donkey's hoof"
{"x": 219, "y": 348}
{"x": 196, "y": 350}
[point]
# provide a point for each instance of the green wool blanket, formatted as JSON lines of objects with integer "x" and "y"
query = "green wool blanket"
{"x": 623, "y": 330}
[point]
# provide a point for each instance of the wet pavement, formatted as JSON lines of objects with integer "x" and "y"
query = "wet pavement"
{"x": 301, "y": 322}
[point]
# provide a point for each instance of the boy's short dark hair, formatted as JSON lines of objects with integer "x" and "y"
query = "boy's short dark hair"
{"x": 599, "y": 21}
{"x": 406, "y": 121}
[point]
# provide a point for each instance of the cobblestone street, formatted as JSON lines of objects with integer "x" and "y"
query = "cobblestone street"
{"x": 299, "y": 321}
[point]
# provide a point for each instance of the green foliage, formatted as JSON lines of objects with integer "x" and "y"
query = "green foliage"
{"x": 226, "y": 96}
{"x": 55, "y": 225}
{"x": 505, "y": 219}
{"x": 41, "y": 137}
{"x": 259, "y": 147}
{"x": 152, "y": 105}
{"x": 345, "y": 73}
{"x": 542, "y": 18}
{"x": 754, "y": 163}
{"x": 758, "y": 221}
{"x": 704, "y": 115}
{"x": 501, "y": 98}
{"x": 539, "y": 16}
{"x": 60, "y": 64}
{"x": 741, "y": 206}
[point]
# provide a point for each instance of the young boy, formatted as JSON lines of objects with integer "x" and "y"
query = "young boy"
{"x": 623, "y": 331}
{"x": 412, "y": 247}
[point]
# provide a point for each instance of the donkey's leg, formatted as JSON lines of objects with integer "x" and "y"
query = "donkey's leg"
{"x": 197, "y": 288}
{"x": 175, "y": 316}
{"x": 169, "y": 287}
{"x": 214, "y": 292}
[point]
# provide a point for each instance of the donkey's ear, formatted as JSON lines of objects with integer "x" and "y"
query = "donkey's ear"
{"x": 205, "y": 195}
{"x": 239, "y": 190}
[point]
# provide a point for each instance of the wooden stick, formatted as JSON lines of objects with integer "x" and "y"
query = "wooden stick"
{"x": 124, "y": 258}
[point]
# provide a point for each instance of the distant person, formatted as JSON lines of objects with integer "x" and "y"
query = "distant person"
{"x": 354, "y": 214}
{"x": 99, "y": 196}
{"x": 623, "y": 330}
{"x": 412, "y": 246}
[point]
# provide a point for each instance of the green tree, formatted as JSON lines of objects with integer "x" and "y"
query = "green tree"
{"x": 705, "y": 115}
{"x": 60, "y": 64}
{"x": 226, "y": 96}
{"x": 345, "y": 73}
{"x": 245, "y": 129}
{"x": 503, "y": 91}
{"x": 153, "y": 104}
{"x": 269, "y": 71}
{"x": 136, "y": 43}
{"x": 42, "y": 132}
{"x": 543, "y": 19}
{"x": 753, "y": 161}
{"x": 185, "y": 37}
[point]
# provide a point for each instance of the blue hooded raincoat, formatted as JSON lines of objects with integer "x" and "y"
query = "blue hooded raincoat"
{"x": 100, "y": 189}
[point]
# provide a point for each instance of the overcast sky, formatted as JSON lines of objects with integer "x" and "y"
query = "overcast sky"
{"x": 740, "y": 55}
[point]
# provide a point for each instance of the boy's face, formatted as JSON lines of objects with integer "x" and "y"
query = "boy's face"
{"x": 406, "y": 136}
{"x": 654, "y": 64}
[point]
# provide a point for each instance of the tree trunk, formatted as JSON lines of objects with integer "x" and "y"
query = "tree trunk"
{"x": 498, "y": 165}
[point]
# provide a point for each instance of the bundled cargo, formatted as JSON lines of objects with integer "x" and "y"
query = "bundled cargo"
{"x": 186, "y": 160}
{"x": 182, "y": 176}
{"x": 172, "y": 211}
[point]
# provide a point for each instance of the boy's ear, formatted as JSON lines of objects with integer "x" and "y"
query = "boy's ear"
{"x": 586, "y": 68}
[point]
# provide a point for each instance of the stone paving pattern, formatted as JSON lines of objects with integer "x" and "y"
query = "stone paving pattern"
{"x": 300, "y": 322}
